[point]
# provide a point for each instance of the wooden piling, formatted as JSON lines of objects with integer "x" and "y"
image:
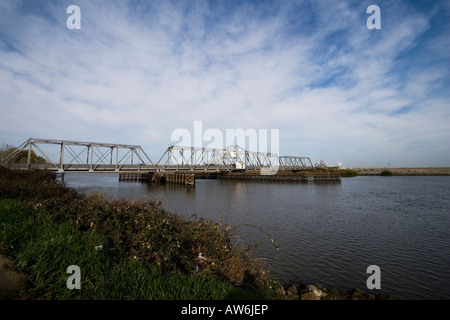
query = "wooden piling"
{"x": 188, "y": 178}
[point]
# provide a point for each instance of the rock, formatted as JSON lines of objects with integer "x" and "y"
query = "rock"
{"x": 309, "y": 296}
{"x": 383, "y": 296}
{"x": 10, "y": 280}
{"x": 281, "y": 293}
{"x": 334, "y": 294}
{"x": 292, "y": 292}
{"x": 359, "y": 294}
{"x": 297, "y": 289}
{"x": 301, "y": 286}
{"x": 313, "y": 289}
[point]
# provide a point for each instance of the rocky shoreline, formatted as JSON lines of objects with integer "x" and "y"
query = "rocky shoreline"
{"x": 298, "y": 290}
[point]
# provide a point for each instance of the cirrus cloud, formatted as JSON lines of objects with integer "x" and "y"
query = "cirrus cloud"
{"x": 138, "y": 70}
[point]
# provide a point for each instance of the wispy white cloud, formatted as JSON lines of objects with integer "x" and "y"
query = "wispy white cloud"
{"x": 136, "y": 71}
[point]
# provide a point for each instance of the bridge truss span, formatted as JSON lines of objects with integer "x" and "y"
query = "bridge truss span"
{"x": 208, "y": 159}
{"x": 79, "y": 156}
{"x": 296, "y": 163}
{"x": 85, "y": 156}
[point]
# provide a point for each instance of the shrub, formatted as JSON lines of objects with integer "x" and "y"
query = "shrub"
{"x": 348, "y": 173}
{"x": 386, "y": 173}
{"x": 48, "y": 227}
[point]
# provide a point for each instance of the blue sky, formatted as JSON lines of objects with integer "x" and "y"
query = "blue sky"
{"x": 138, "y": 70}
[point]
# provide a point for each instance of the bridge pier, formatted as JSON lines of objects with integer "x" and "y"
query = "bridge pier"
{"x": 136, "y": 176}
{"x": 188, "y": 178}
{"x": 185, "y": 178}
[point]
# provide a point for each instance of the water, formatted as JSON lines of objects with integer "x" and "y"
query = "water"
{"x": 329, "y": 233}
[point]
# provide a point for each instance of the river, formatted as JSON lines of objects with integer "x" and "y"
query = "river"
{"x": 325, "y": 232}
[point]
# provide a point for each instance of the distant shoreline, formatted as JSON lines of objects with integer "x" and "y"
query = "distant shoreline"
{"x": 404, "y": 171}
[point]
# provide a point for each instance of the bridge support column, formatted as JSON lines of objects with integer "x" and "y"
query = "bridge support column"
{"x": 29, "y": 156}
{"x": 61, "y": 158}
{"x": 91, "y": 148}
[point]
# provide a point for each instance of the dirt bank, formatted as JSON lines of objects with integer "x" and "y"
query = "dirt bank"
{"x": 10, "y": 280}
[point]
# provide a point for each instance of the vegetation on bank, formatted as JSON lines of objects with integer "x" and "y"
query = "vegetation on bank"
{"x": 386, "y": 173}
{"x": 21, "y": 157}
{"x": 125, "y": 250}
{"x": 346, "y": 173}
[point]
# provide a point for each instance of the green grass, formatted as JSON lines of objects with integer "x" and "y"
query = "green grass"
{"x": 43, "y": 250}
{"x": 148, "y": 253}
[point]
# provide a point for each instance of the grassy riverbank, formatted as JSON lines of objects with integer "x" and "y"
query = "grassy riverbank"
{"x": 125, "y": 250}
{"x": 403, "y": 171}
{"x": 394, "y": 172}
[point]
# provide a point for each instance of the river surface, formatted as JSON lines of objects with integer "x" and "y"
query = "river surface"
{"x": 326, "y": 233}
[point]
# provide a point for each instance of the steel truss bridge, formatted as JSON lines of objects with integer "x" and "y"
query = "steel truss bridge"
{"x": 78, "y": 156}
